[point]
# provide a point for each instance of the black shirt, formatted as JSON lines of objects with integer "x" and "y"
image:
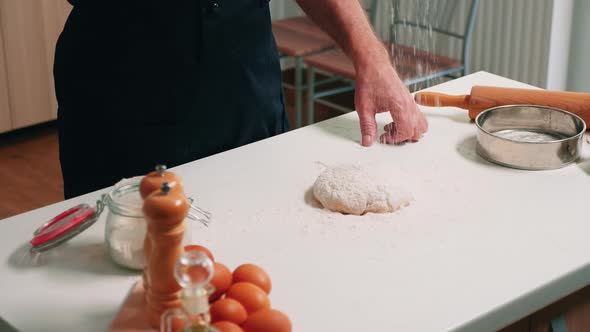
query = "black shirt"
{"x": 141, "y": 82}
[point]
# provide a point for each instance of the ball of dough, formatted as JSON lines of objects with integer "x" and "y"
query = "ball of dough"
{"x": 351, "y": 189}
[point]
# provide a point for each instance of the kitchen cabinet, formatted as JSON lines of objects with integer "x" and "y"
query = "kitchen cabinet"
{"x": 5, "y": 122}
{"x": 574, "y": 309}
{"x": 29, "y": 32}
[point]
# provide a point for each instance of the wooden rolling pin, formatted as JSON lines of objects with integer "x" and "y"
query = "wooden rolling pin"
{"x": 484, "y": 97}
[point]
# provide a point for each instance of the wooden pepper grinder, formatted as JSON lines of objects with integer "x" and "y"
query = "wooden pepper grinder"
{"x": 165, "y": 212}
{"x": 153, "y": 181}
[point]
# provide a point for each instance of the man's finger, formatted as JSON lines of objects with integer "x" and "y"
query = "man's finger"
{"x": 389, "y": 137}
{"x": 389, "y": 127}
{"x": 417, "y": 136}
{"x": 368, "y": 127}
{"x": 402, "y": 134}
{"x": 386, "y": 138}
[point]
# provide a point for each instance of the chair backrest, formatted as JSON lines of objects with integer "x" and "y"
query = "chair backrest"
{"x": 421, "y": 23}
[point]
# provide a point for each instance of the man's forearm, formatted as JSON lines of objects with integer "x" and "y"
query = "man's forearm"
{"x": 378, "y": 87}
{"x": 346, "y": 22}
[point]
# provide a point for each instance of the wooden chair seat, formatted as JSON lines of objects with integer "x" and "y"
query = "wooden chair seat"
{"x": 409, "y": 63}
{"x": 303, "y": 25}
{"x": 295, "y": 43}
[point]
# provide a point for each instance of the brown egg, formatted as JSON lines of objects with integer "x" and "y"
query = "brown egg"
{"x": 253, "y": 274}
{"x": 267, "y": 321}
{"x": 228, "y": 310}
{"x": 222, "y": 280}
{"x": 249, "y": 295}
{"x": 225, "y": 326}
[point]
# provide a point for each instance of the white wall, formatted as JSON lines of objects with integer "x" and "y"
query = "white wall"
{"x": 512, "y": 39}
{"x": 578, "y": 78}
{"x": 559, "y": 48}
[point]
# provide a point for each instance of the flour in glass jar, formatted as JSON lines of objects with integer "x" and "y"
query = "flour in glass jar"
{"x": 126, "y": 237}
{"x": 125, "y": 226}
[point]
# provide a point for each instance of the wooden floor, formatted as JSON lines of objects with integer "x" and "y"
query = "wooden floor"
{"x": 30, "y": 170}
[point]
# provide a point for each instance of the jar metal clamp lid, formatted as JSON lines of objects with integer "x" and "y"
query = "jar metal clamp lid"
{"x": 121, "y": 200}
{"x": 65, "y": 226}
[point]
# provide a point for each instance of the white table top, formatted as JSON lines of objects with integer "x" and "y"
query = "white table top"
{"x": 481, "y": 246}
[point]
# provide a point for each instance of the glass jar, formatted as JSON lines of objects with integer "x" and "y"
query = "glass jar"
{"x": 126, "y": 226}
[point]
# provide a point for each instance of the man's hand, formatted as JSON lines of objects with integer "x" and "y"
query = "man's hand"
{"x": 378, "y": 90}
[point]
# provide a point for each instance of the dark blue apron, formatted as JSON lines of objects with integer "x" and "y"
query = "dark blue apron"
{"x": 142, "y": 82}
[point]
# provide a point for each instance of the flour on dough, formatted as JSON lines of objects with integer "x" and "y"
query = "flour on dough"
{"x": 353, "y": 189}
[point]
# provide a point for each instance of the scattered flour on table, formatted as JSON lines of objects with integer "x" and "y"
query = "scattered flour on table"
{"x": 355, "y": 189}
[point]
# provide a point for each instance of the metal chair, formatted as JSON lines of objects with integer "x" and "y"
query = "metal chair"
{"x": 297, "y": 37}
{"x": 413, "y": 65}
